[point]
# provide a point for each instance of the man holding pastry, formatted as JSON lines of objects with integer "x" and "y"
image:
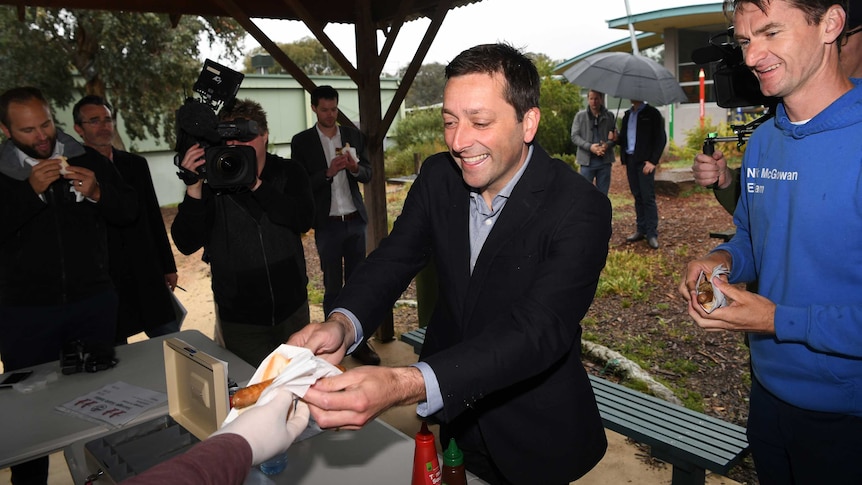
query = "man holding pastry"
{"x": 798, "y": 223}
{"x": 54, "y": 282}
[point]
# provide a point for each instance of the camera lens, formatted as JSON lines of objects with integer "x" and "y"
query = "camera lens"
{"x": 228, "y": 164}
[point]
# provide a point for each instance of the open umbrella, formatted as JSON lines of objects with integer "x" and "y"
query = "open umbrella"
{"x": 627, "y": 76}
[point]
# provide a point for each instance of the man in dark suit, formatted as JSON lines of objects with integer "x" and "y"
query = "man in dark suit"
{"x": 142, "y": 261}
{"x": 336, "y": 160}
{"x": 518, "y": 240}
{"x": 642, "y": 139}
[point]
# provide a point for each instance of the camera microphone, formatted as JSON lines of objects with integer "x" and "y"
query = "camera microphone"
{"x": 705, "y": 55}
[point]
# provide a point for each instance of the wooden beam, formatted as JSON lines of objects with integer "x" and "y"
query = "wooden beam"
{"x": 286, "y": 62}
{"x": 369, "y": 114}
{"x": 316, "y": 28}
{"x": 392, "y": 33}
{"x": 410, "y": 74}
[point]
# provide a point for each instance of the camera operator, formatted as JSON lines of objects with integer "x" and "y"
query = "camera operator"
{"x": 713, "y": 170}
{"x": 252, "y": 239}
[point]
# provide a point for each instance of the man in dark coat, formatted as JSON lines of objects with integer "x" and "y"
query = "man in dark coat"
{"x": 55, "y": 201}
{"x": 642, "y": 139}
{"x": 142, "y": 261}
{"x": 518, "y": 240}
{"x": 336, "y": 160}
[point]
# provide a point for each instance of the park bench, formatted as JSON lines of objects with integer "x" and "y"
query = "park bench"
{"x": 725, "y": 235}
{"x": 690, "y": 441}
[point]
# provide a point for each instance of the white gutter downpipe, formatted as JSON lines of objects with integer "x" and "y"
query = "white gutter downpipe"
{"x": 635, "y": 49}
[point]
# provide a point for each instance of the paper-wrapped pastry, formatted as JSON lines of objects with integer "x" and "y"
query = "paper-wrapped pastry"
{"x": 708, "y": 296}
{"x": 63, "y": 165}
{"x": 293, "y": 367}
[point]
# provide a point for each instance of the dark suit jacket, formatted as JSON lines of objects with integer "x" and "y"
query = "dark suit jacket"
{"x": 306, "y": 149}
{"x": 505, "y": 341}
{"x": 650, "y": 137}
{"x": 141, "y": 254}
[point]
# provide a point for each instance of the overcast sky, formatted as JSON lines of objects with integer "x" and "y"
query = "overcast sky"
{"x": 561, "y": 29}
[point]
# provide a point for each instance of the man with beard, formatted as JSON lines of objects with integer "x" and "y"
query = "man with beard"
{"x": 54, "y": 281}
{"x": 142, "y": 261}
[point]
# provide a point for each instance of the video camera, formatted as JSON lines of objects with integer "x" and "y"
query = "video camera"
{"x": 227, "y": 167}
{"x": 734, "y": 84}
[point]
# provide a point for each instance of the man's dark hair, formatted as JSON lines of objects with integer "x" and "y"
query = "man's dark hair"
{"x": 813, "y": 9}
{"x": 88, "y": 100}
{"x": 18, "y": 95}
{"x": 323, "y": 92}
{"x": 248, "y": 109}
{"x": 522, "y": 78}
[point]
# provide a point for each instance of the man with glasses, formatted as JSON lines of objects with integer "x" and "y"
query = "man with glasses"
{"x": 142, "y": 261}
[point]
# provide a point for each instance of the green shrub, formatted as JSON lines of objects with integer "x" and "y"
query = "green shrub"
{"x": 419, "y": 133}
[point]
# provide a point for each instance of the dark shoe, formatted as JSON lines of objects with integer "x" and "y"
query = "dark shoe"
{"x": 653, "y": 242}
{"x": 366, "y": 355}
{"x": 635, "y": 237}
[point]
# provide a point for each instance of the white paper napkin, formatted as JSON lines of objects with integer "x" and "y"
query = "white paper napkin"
{"x": 719, "y": 300}
{"x": 303, "y": 370}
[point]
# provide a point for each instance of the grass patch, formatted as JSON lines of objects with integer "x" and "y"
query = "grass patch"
{"x": 627, "y": 274}
{"x": 619, "y": 202}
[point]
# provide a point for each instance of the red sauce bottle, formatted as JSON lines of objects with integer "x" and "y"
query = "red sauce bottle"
{"x": 426, "y": 467}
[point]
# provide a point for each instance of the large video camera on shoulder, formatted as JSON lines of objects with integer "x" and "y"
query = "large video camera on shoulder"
{"x": 228, "y": 167}
{"x": 734, "y": 84}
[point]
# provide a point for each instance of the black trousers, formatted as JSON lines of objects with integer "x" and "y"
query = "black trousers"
{"x": 794, "y": 446}
{"x": 642, "y": 188}
{"x": 341, "y": 247}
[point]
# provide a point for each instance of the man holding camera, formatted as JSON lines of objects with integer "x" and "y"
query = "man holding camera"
{"x": 251, "y": 237}
{"x": 142, "y": 261}
{"x": 55, "y": 200}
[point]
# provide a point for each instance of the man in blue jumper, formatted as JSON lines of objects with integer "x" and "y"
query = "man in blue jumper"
{"x": 798, "y": 224}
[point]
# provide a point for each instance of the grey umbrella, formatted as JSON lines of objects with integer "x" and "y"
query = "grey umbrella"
{"x": 627, "y": 76}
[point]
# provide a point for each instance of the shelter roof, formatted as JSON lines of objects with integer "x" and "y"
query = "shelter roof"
{"x": 383, "y": 12}
{"x": 693, "y": 17}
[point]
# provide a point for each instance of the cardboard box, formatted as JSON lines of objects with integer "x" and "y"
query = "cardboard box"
{"x": 198, "y": 403}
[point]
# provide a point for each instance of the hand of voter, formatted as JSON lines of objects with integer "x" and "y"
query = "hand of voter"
{"x": 271, "y": 425}
{"x": 351, "y": 399}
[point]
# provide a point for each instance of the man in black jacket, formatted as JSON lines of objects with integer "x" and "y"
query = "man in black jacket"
{"x": 252, "y": 239}
{"x": 642, "y": 139}
{"x": 336, "y": 161}
{"x": 142, "y": 261}
{"x": 54, "y": 281}
{"x": 518, "y": 240}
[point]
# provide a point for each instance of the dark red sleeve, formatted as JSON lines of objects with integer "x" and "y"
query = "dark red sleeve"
{"x": 220, "y": 460}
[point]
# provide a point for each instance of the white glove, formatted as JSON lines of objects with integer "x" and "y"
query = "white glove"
{"x": 266, "y": 427}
